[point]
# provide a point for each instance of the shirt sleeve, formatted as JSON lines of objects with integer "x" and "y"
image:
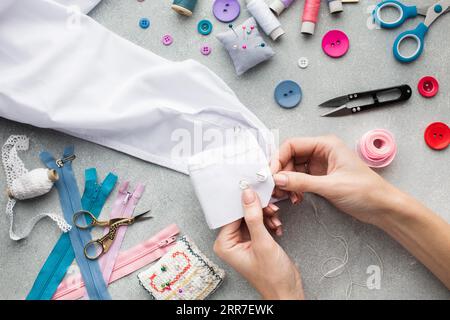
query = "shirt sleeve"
{"x": 63, "y": 70}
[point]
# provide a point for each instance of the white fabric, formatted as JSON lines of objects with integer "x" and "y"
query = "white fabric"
{"x": 62, "y": 70}
{"x": 219, "y": 175}
{"x": 85, "y": 6}
{"x": 14, "y": 169}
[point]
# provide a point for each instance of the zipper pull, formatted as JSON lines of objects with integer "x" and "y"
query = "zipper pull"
{"x": 127, "y": 197}
{"x": 60, "y": 162}
{"x": 167, "y": 241}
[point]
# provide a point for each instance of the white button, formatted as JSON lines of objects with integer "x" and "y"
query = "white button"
{"x": 261, "y": 176}
{"x": 303, "y": 62}
{"x": 243, "y": 184}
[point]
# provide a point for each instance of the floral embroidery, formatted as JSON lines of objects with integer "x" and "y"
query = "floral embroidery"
{"x": 182, "y": 273}
{"x": 167, "y": 285}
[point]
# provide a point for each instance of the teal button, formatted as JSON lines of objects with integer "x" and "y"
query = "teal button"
{"x": 438, "y": 8}
{"x": 204, "y": 27}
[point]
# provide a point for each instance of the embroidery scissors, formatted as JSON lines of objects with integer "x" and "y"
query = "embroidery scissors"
{"x": 85, "y": 220}
{"x": 431, "y": 14}
{"x": 342, "y": 109}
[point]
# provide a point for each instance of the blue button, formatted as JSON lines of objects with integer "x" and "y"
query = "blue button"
{"x": 204, "y": 27}
{"x": 288, "y": 94}
{"x": 144, "y": 23}
{"x": 438, "y": 8}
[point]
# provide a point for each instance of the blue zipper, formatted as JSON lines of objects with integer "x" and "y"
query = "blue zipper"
{"x": 71, "y": 202}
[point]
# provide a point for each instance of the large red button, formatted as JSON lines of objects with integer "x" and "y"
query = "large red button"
{"x": 437, "y": 136}
{"x": 428, "y": 86}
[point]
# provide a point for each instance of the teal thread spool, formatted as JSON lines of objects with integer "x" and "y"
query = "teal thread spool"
{"x": 184, "y": 7}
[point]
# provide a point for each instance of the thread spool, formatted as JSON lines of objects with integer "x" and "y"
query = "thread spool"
{"x": 184, "y": 7}
{"x": 32, "y": 184}
{"x": 335, "y": 6}
{"x": 265, "y": 18}
{"x": 310, "y": 16}
{"x": 278, "y": 6}
{"x": 377, "y": 148}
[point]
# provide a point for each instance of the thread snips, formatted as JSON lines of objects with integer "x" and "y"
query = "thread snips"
{"x": 94, "y": 249}
{"x": 341, "y": 103}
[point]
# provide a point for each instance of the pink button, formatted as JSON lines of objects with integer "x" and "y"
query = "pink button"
{"x": 335, "y": 43}
{"x": 167, "y": 39}
{"x": 205, "y": 49}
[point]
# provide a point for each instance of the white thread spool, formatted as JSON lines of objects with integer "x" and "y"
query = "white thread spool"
{"x": 265, "y": 18}
{"x": 33, "y": 184}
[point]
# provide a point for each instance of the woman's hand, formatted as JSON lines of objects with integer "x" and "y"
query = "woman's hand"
{"x": 247, "y": 246}
{"x": 325, "y": 166}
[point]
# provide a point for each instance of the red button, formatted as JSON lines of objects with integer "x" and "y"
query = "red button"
{"x": 428, "y": 86}
{"x": 437, "y": 136}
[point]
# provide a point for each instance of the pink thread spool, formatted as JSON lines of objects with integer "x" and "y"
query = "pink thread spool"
{"x": 377, "y": 148}
{"x": 310, "y": 14}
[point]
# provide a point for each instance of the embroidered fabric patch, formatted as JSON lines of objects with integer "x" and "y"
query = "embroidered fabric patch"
{"x": 183, "y": 273}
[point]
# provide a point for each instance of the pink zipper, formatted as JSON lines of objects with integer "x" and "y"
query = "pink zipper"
{"x": 127, "y": 262}
{"x": 123, "y": 208}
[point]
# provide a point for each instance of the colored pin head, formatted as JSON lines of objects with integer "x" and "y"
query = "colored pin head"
{"x": 231, "y": 27}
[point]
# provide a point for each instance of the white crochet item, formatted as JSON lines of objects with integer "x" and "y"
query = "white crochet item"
{"x": 15, "y": 169}
{"x": 183, "y": 273}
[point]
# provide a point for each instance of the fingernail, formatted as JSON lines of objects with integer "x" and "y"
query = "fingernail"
{"x": 269, "y": 223}
{"x": 248, "y": 196}
{"x": 273, "y": 207}
{"x": 281, "y": 180}
{"x": 279, "y": 232}
{"x": 293, "y": 197}
{"x": 276, "y": 221}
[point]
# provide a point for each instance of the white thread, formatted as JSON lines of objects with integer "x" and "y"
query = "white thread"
{"x": 14, "y": 170}
{"x": 344, "y": 260}
{"x": 265, "y": 18}
{"x": 32, "y": 184}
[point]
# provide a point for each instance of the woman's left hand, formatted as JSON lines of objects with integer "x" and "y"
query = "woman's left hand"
{"x": 247, "y": 246}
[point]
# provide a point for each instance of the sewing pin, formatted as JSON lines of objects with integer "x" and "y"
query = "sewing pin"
{"x": 243, "y": 31}
{"x": 262, "y": 45}
{"x": 251, "y": 29}
{"x": 231, "y": 27}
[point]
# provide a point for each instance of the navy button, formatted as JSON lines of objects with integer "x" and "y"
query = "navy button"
{"x": 144, "y": 23}
{"x": 204, "y": 27}
{"x": 288, "y": 94}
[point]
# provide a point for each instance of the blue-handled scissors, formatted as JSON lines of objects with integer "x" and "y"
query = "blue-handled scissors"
{"x": 431, "y": 13}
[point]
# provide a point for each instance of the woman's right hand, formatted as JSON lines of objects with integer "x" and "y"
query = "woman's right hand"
{"x": 327, "y": 167}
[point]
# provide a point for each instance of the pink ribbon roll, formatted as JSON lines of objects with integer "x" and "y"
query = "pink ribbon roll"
{"x": 377, "y": 148}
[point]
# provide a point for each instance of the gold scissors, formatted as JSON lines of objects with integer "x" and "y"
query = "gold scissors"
{"x": 94, "y": 249}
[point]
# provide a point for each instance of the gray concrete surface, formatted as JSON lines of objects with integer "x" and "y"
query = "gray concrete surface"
{"x": 368, "y": 65}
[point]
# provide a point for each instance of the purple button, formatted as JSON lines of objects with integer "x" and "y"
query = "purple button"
{"x": 167, "y": 39}
{"x": 205, "y": 50}
{"x": 226, "y": 10}
{"x": 335, "y": 43}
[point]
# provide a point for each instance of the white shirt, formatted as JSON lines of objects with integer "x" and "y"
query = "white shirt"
{"x": 62, "y": 70}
